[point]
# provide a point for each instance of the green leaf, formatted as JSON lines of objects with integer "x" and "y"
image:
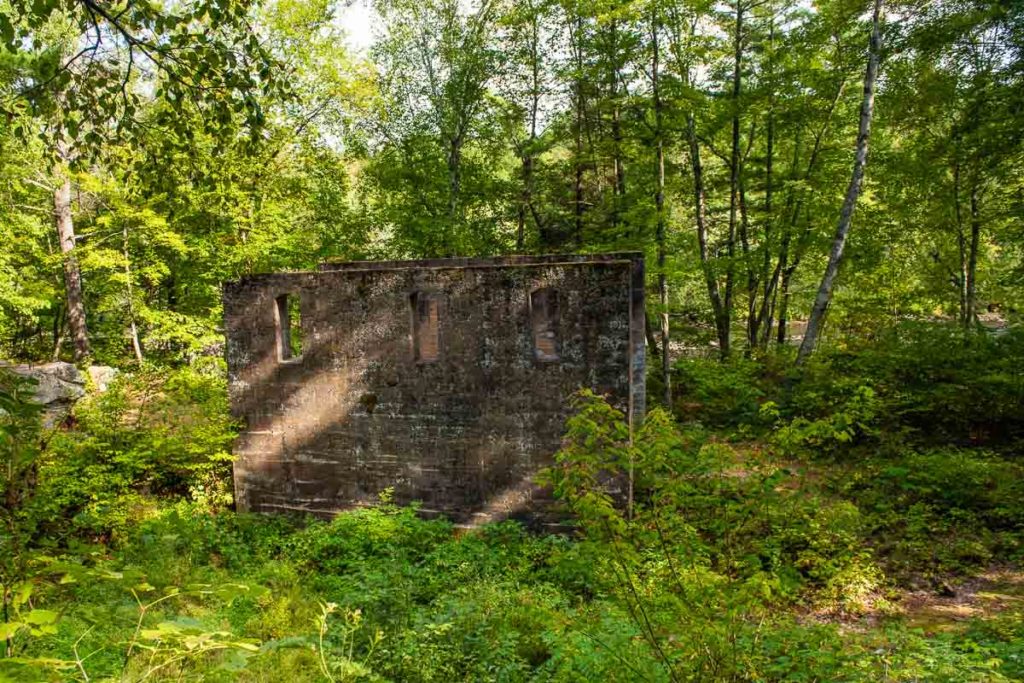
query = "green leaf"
{"x": 22, "y": 594}
{"x": 39, "y": 617}
{"x": 235, "y": 660}
{"x": 9, "y": 629}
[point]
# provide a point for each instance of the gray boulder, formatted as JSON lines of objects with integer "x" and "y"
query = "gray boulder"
{"x": 58, "y": 386}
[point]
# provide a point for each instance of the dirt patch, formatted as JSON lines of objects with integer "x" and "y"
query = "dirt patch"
{"x": 984, "y": 595}
{"x": 996, "y": 590}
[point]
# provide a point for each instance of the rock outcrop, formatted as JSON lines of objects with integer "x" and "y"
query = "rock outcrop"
{"x": 60, "y": 385}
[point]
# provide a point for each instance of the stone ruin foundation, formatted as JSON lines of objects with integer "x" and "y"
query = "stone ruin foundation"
{"x": 445, "y": 381}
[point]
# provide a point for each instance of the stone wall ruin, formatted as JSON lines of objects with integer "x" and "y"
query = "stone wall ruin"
{"x": 446, "y": 381}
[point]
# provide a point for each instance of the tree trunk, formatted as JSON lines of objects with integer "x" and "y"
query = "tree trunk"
{"x": 761, "y": 316}
{"x": 659, "y": 203}
{"x": 752, "y": 278}
{"x": 734, "y": 170}
{"x": 578, "y": 181}
{"x": 618, "y": 163}
{"x": 783, "y": 332}
{"x": 136, "y": 345}
{"x": 699, "y": 204}
{"x": 971, "y": 307}
{"x": 454, "y": 188}
{"x": 526, "y": 197}
{"x": 961, "y": 243}
{"x": 59, "y": 333}
{"x": 72, "y": 273}
{"x": 824, "y": 296}
{"x": 526, "y": 203}
{"x": 652, "y": 339}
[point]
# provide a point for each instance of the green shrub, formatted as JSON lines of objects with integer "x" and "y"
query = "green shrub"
{"x": 937, "y": 381}
{"x": 928, "y": 382}
{"x": 718, "y": 394}
{"x": 155, "y": 432}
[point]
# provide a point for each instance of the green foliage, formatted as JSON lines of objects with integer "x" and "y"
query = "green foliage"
{"x": 943, "y": 384}
{"x": 853, "y": 420}
{"x": 929, "y": 383}
{"x": 209, "y": 139}
{"x": 204, "y": 55}
{"x": 699, "y": 581}
{"x": 718, "y": 394}
{"x": 939, "y": 510}
{"x": 19, "y": 457}
{"x": 156, "y": 432}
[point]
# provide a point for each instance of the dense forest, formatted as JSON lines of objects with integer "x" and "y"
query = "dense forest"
{"x": 830, "y": 197}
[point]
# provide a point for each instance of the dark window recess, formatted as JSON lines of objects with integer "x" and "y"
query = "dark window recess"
{"x": 289, "y": 327}
{"x": 544, "y": 321}
{"x": 425, "y": 338}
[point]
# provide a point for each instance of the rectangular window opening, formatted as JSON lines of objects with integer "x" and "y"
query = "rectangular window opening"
{"x": 544, "y": 322}
{"x": 289, "y": 327}
{"x": 426, "y": 345}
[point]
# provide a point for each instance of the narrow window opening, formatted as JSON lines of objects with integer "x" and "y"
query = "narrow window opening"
{"x": 289, "y": 327}
{"x": 425, "y": 337}
{"x": 544, "y": 321}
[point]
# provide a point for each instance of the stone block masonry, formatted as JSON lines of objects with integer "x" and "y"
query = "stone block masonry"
{"x": 447, "y": 380}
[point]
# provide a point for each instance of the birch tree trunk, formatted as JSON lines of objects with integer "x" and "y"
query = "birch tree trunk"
{"x": 130, "y": 296}
{"x": 824, "y": 296}
{"x": 618, "y": 163}
{"x": 659, "y": 203}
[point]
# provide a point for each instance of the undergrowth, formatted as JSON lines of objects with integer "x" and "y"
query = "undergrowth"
{"x": 776, "y": 526}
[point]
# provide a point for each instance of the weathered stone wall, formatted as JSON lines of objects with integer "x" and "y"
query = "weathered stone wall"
{"x": 464, "y": 434}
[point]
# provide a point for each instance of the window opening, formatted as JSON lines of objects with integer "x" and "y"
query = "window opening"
{"x": 425, "y": 336}
{"x": 289, "y": 327}
{"x": 544, "y": 321}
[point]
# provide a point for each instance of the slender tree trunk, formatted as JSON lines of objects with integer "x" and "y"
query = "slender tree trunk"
{"x": 699, "y": 211}
{"x": 972, "y": 259}
{"x": 528, "y": 158}
{"x": 752, "y": 279}
{"x": 824, "y": 296}
{"x": 659, "y": 203}
{"x": 454, "y": 188}
{"x": 136, "y": 345}
{"x": 578, "y": 132}
{"x": 521, "y": 223}
{"x": 652, "y": 338}
{"x": 783, "y": 332}
{"x": 761, "y": 316}
{"x": 961, "y": 243}
{"x": 699, "y": 208}
{"x": 59, "y": 334}
{"x": 618, "y": 163}
{"x": 734, "y": 172}
{"x": 72, "y": 273}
